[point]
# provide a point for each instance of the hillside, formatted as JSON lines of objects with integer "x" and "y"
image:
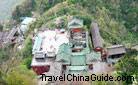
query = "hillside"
{"x": 113, "y": 22}
{"x": 6, "y": 8}
{"x": 117, "y": 20}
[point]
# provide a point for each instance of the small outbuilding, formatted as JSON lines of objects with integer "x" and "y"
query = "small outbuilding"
{"x": 24, "y": 24}
{"x": 116, "y": 50}
{"x": 114, "y": 53}
{"x": 8, "y": 37}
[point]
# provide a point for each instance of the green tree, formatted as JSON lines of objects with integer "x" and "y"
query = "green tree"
{"x": 2, "y": 81}
{"x": 20, "y": 76}
{"x": 128, "y": 65}
{"x": 1, "y": 27}
{"x": 27, "y": 49}
{"x": 23, "y": 10}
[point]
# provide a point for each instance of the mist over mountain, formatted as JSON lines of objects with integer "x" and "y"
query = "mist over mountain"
{"x": 6, "y": 8}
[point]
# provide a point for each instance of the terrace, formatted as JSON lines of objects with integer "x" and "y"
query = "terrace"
{"x": 46, "y": 46}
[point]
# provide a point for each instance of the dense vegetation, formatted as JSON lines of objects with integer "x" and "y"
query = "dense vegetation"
{"x": 23, "y": 10}
{"x": 15, "y": 65}
{"x": 128, "y": 65}
{"x": 117, "y": 20}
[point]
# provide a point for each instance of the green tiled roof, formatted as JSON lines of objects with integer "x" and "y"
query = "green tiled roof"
{"x": 37, "y": 44}
{"x": 78, "y": 60}
{"x": 64, "y": 54}
{"x": 75, "y": 23}
{"x": 93, "y": 56}
{"x": 64, "y": 48}
{"x": 76, "y": 68}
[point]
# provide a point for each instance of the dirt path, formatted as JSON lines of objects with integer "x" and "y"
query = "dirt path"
{"x": 102, "y": 67}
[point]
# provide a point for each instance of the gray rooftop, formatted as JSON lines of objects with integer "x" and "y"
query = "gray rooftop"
{"x": 96, "y": 37}
{"x": 116, "y": 49}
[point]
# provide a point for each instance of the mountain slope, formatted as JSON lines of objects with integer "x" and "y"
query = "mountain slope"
{"x": 109, "y": 16}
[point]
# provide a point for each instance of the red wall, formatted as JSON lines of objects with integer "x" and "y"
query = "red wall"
{"x": 76, "y": 30}
{"x": 40, "y": 69}
{"x": 102, "y": 51}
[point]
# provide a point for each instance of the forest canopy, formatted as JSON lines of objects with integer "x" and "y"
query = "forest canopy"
{"x": 118, "y": 23}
